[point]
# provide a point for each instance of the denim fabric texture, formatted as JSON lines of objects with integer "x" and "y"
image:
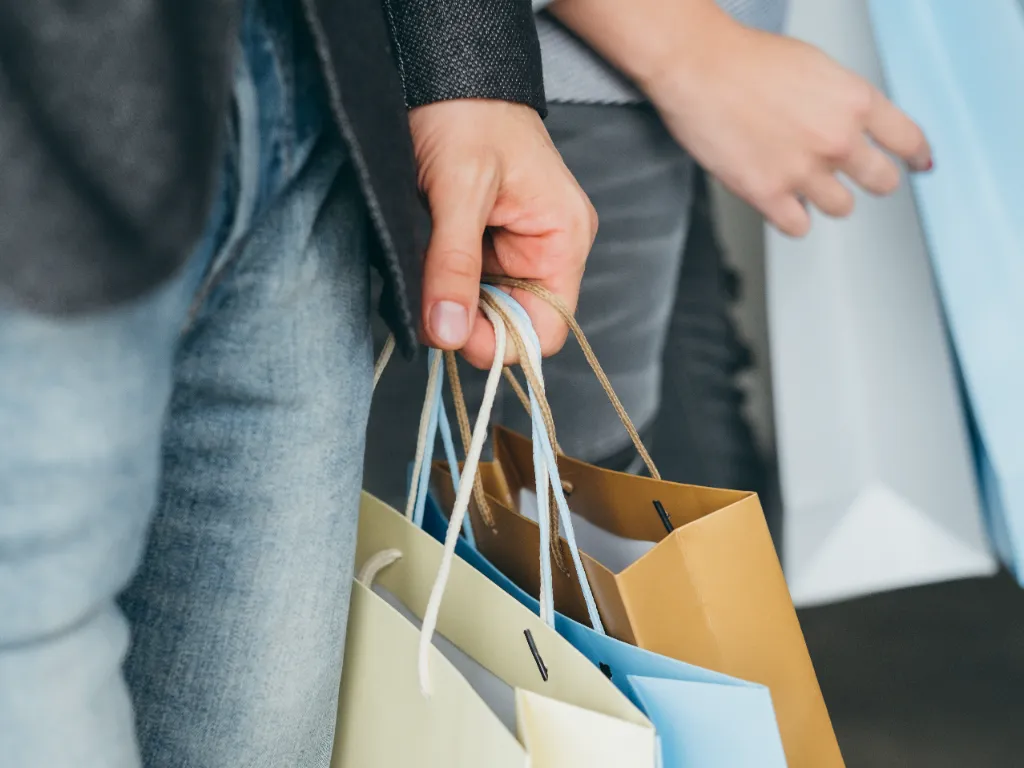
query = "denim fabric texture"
{"x": 180, "y": 475}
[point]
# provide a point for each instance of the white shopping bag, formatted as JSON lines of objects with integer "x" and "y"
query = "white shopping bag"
{"x": 877, "y": 478}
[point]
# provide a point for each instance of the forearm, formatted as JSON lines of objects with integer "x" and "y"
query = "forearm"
{"x": 646, "y": 38}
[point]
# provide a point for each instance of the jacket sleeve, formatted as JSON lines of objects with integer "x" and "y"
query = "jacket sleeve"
{"x": 453, "y": 49}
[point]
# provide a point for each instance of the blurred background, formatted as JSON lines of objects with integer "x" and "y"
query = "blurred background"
{"x": 927, "y": 675}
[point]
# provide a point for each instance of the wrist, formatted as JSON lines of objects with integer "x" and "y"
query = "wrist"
{"x": 658, "y": 44}
{"x": 691, "y": 55}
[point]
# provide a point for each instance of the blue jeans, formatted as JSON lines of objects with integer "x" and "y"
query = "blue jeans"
{"x": 179, "y": 477}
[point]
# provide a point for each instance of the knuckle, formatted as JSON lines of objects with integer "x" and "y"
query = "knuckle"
{"x": 838, "y": 145}
{"x": 804, "y": 169}
{"x": 763, "y": 188}
{"x": 555, "y": 340}
{"x": 473, "y": 170}
{"x": 860, "y": 99}
{"x": 593, "y": 220}
{"x": 459, "y": 263}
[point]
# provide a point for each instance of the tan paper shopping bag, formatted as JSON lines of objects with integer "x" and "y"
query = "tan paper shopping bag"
{"x": 493, "y": 662}
{"x": 709, "y": 593}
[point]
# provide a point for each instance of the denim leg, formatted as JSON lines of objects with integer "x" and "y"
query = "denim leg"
{"x": 82, "y": 403}
{"x": 239, "y": 607}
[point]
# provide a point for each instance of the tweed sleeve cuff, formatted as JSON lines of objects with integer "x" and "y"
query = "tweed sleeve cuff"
{"x": 459, "y": 49}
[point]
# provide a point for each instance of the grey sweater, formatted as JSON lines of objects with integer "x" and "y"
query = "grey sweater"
{"x": 574, "y": 73}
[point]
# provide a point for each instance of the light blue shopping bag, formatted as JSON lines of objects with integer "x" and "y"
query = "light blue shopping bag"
{"x": 704, "y": 719}
{"x": 958, "y": 69}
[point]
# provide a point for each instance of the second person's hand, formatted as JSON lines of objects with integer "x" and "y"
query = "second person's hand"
{"x": 779, "y": 121}
{"x": 775, "y": 119}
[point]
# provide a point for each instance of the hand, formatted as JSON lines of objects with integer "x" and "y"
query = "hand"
{"x": 776, "y": 120}
{"x": 501, "y": 201}
{"x": 773, "y": 118}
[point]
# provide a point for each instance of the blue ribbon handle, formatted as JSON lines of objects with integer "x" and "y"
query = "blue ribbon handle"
{"x": 438, "y": 417}
{"x": 544, "y": 454}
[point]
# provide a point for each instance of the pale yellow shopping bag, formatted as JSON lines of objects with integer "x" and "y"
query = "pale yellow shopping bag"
{"x": 495, "y": 663}
{"x": 484, "y": 682}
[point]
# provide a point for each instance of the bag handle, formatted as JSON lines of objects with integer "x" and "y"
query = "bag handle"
{"x": 515, "y": 323}
{"x": 465, "y": 489}
{"x": 508, "y": 320}
{"x": 566, "y": 314}
{"x": 545, "y": 463}
{"x": 518, "y": 324}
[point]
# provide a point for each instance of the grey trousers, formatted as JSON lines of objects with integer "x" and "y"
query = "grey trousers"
{"x": 642, "y": 185}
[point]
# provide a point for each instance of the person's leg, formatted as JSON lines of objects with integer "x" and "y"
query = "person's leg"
{"x": 82, "y": 404}
{"x": 703, "y": 435}
{"x": 239, "y": 607}
{"x": 713, "y": 445}
{"x": 240, "y": 603}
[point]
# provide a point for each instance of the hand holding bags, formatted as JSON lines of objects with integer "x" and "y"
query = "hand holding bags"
{"x": 710, "y": 592}
{"x": 874, "y": 456}
{"x": 958, "y": 68}
{"x": 498, "y": 673}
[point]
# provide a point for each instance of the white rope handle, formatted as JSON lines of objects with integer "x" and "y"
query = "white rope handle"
{"x": 376, "y": 564}
{"x": 462, "y": 498}
{"x": 382, "y": 359}
{"x": 425, "y": 434}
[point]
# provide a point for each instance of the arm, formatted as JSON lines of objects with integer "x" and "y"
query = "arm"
{"x": 773, "y": 118}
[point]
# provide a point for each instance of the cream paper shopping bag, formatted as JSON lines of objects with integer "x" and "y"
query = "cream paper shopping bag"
{"x": 498, "y": 659}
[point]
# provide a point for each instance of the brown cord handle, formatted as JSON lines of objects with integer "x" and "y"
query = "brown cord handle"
{"x": 559, "y": 306}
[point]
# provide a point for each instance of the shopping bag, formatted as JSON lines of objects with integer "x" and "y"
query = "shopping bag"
{"x": 704, "y": 719}
{"x": 695, "y": 711}
{"x": 483, "y": 681}
{"x": 710, "y": 591}
{"x": 958, "y": 69}
{"x": 877, "y": 478}
{"x": 493, "y": 701}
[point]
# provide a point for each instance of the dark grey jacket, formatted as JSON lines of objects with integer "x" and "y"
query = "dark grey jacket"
{"x": 111, "y": 115}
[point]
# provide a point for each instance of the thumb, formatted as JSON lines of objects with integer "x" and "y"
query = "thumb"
{"x": 459, "y": 209}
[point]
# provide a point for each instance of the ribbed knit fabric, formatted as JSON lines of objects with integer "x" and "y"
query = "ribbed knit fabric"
{"x": 574, "y": 73}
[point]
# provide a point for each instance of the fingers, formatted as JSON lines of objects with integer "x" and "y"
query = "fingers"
{"x": 551, "y": 257}
{"x": 551, "y": 330}
{"x": 789, "y": 215}
{"x": 871, "y": 168}
{"x": 479, "y": 349}
{"x": 824, "y": 191}
{"x": 459, "y": 206}
{"x": 896, "y": 132}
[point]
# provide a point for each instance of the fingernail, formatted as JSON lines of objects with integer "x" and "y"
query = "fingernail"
{"x": 449, "y": 323}
{"x": 923, "y": 165}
